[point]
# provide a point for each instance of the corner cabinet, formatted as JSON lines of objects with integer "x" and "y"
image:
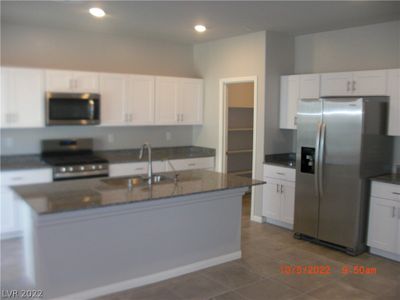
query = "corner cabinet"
{"x": 72, "y": 81}
{"x": 384, "y": 220}
{"x": 22, "y": 98}
{"x": 279, "y": 195}
{"x": 294, "y": 88}
{"x": 178, "y": 101}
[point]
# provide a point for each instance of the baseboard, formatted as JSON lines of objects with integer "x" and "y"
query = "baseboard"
{"x": 385, "y": 254}
{"x": 256, "y": 219}
{"x": 279, "y": 223}
{"x": 145, "y": 280}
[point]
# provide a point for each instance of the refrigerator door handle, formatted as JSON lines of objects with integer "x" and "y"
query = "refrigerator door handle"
{"x": 316, "y": 159}
{"x": 321, "y": 160}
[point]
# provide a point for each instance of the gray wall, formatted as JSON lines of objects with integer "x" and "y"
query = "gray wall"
{"x": 227, "y": 58}
{"x": 279, "y": 61}
{"x": 358, "y": 48}
{"x": 63, "y": 49}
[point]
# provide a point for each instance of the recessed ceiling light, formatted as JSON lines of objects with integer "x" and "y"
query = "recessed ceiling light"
{"x": 97, "y": 12}
{"x": 200, "y": 28}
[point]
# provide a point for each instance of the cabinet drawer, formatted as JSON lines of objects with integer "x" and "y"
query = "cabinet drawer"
{"x": 136, "y": 168}
{"x": 277, "y": 172}
{"x": 191, "y": 163}
{"x": 9, "y": 178}
{"x": 385, "y": 190}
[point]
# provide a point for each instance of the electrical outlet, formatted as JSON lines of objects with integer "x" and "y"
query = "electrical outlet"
{"x": 168, "y": 135}
{"x": 110, "y": 138}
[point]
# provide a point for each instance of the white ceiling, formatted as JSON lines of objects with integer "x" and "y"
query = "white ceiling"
{"x": 174, "y": 20}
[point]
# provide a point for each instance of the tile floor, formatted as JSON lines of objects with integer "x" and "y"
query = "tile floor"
{"x": 265, "y": 249}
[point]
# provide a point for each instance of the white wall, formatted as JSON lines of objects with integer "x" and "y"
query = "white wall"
{"x": 233, "y": 57}
{"x": 55, "y": 48}
{"x": 358, "y": 48}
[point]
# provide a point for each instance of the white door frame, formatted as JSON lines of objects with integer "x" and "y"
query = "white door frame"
{"x": 223, "y": 125}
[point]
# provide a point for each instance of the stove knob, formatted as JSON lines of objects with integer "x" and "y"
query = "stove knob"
{"x": 71, "y": 169}
{"x": 100, "y": 167}
{"x": 93, "y": 167}
{"x": 82, "y": 168}
{"x": 62, "y": 169}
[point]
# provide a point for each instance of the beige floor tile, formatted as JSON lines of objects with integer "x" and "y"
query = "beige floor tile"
{"x": 196, "y": 287}
{"x": 267, "y": 289}
{"x": 232, "y": 275}
{"x": 229, "y": 296}
{"x": 305, "y": 282}
{"x": 144, "y": 293}
{"x": 263, "y": 265}
{"x": 340, "y": 291}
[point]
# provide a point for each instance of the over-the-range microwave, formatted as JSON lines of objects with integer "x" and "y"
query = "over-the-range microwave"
{"x": 72, "y": 109}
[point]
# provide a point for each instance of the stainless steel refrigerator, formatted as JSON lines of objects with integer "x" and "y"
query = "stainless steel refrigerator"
{"x": 341, "y": 142}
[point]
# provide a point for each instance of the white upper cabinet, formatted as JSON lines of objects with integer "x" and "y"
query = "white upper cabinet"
{"x": 140, "y": 99}
{"x": 393, "y": 90}
{"x": 72, "y": 81}
{"x": 112, "y": 91}
{"x": 363, "y": 83}
{"x": 190, "y": 101}
{"x": 166, "y": 101}
{"x": 294, "y": 88}
{"x": 336, "y": 84}
{"x": 22, "y": 98}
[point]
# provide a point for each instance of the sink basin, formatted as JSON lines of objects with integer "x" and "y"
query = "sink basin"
{"x": 130, "y": 182}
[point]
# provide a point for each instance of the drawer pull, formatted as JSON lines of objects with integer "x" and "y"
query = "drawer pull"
{"x": 139, "y": 168}
{"x": 396, "y": 193}
{"x": 280, "y": 173}
{"x": 393, "y": 212}
{"x": 192, "y": 164}
{"x": 17, "y": 178}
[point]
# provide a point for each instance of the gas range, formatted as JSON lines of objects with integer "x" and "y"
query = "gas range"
{"x": 73, "y": 159}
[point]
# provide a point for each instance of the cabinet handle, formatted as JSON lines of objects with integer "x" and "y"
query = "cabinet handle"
{"x": 354, "y": 85}
{"x": 192, "y": 164}
{"x": 393, "y": 212}
{"x": 181, "y": 117}
{"x": 16, "y": 178}
{"x": 295, "y": 121}
{"x": 348, "y": 86}
{"x": 280, "y": 173}
{"x": 177, "y": 117}
{"x": 277, "y": 188}
{"x": 398, "y": 213}
{"x": 139, "y": 169}
{"x": 131, "y": 117}
{"x": 281, "y": 188}
{"x": 396, "y": 193}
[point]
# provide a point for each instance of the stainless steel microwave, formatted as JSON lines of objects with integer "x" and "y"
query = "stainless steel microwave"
{"x": 72, "y": 109}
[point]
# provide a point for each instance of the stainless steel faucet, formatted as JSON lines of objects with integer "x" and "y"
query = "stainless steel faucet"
{"x": 149, "y": 167}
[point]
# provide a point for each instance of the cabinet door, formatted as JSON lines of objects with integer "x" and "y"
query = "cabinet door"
{"x": 369, "y": 83}
{"x": 59, "y": 81}
{"x": 9, "y": 222}
{"x": 112, "y": 90}
{"x": 22, "y": 100}
{"x": 86, "y": 82}
{"x": 288, "y": 101}
{"x": 393, "y": 89}
{"x": 166, "y": 104}
{"x": 190, "y": 101}
{"x": 135, "y": 168}
{"x": 336, "y": 84}
{"x": 383, "y": 224}
{"x": 271, "y": 199}
{"x": 287, "y": 202}
{"x": 309, "y": 86}
{"x": 140, "y": 99}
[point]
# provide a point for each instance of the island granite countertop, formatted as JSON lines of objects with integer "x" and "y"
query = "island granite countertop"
{"x": 33, "y": 161}
{"x": 287, "y": 160}
{"x": 73, "y": 195}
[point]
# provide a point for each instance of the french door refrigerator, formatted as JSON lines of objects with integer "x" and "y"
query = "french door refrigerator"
{"x": 341, "y": 142}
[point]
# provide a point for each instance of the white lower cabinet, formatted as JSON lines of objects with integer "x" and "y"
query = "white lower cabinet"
{"x": 278, "y": 196}
{"x": 10, "y": 202}
{"x": 137, "y": 168}
{"x": 384, "y": 220}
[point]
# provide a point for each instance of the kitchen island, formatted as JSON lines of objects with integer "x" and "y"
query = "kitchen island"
{"x": 91, "y": 237}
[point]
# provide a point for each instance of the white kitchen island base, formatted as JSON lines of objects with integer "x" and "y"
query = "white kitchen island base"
{"x": 88, "y": 253}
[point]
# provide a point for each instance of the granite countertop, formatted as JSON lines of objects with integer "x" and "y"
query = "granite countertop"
{"x": 287, "y": 160}
{"x": 73, "y": 195}
{"x": 388, "y": 178}
{"x": 23, "y": 162}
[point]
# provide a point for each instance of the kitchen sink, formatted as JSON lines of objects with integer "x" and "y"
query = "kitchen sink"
{"x": 134, "y": 181}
